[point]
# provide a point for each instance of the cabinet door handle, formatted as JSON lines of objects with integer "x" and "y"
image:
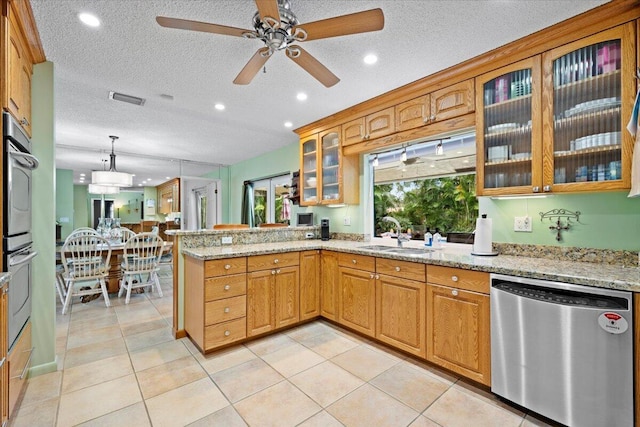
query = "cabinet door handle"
{"x": 426, "y": 119}
{"x": 546, "y": 188}
{"x": 278, "y": 271}
{"x": 226, "y": 309}
{"x": 227, "y": 287}
{"x": 454, "y": 278}
{"x": 454, "y": 292}
{"x": 273, "y": 272}
{"x": 227, "y": 266}
{"x": 354, "y": 261}
{"x": 397, "y": 268}
{"x": 536, "y": 189}
{"x": 371, "y": 275}
{"x": 227, "y": 333}
{"x": 432, "y": 118}
{"x": 377, "y": 276}
{"x": 275, "y": 261}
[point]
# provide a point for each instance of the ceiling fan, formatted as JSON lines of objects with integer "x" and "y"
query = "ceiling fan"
{"x": 278, "y": 28}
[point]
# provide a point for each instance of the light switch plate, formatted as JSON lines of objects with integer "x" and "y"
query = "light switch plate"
{"x": 522, "y": 224}
{"x": 227, "y": 240}
{"x": 347, "y": 220}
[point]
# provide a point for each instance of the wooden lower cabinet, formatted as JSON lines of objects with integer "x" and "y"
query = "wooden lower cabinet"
{"x": 19, "y": 360}
{"x": 215, "y": 301}
{"x": 458, "y": 334}
{"x": 400, "y": 313}
{"x": 309, "y": 284}
{"x": 357, "y": 300}
{"x": 273, "y": 294}
{"x": 329, "y": 285}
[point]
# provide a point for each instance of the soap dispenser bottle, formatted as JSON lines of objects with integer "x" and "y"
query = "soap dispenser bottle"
{"x": 436, "y": 239}
{"x": 428, "y": 238}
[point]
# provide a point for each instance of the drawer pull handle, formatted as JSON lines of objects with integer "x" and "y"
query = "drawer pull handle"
{"x": 371, "y": 275}
{"x": 397, "y": 268}
{"x": 454, "y": 278}
{"x": 278, "y": 271}
{"x": 26, "y": 365}
{"x": 227, "y": 266}
{"x": 227, "y": 287}
{"x": 226, "y": 309}
{"x": 354, "y": 261}
{"x": 273, "y": 272}
{"x": 275, "y": 261}
{"x": 227, "y": 333}
{"x": 454, "y": 292}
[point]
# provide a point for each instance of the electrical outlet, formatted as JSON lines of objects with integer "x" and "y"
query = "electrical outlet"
{"x": 227, "y": 240}
{"x": 522, "y": 223}
{"x": 347, "y": 220}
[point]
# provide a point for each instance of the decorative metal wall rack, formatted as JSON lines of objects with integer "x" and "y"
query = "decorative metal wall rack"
{"x": 556, "y": 216}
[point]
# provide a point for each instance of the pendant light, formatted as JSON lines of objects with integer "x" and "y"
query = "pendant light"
{"x": 103, "y": 189}
{"x": 112, "y": 178}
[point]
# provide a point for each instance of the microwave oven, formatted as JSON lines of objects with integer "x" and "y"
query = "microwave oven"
{"x": 305, "y": 219}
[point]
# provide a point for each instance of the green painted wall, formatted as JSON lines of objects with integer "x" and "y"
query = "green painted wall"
{"x": 64, "y": 201}
{"x": 607, "y": 220}
{"x": 43, "y": 315}
{"x": 80, "y": 206}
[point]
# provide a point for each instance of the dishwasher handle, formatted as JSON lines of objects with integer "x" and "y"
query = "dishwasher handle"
{"x": 563, "y": 296}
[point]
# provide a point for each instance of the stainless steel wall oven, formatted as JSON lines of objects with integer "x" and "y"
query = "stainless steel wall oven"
{"x": 16, "y": 227}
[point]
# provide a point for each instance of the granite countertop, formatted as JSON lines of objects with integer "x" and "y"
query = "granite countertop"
{"x": 453, "y": 255}
{"x": 4, "y": 277}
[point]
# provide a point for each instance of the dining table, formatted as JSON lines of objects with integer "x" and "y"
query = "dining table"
{"x": 115, "y": 262}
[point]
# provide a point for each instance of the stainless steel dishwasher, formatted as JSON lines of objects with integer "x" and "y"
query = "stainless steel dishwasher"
{"x": 564, "y": 351}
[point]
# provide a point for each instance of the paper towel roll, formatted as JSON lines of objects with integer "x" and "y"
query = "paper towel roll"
{"x": 482, "y": 241}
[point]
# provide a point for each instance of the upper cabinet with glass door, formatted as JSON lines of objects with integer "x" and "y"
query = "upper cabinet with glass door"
{"x": 327, "y": 176}
{"x": 588, "y": 95}
{"x": 508, "y": 128}
{"x": 309, "y": 152}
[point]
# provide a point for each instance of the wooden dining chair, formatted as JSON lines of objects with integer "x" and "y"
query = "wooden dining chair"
{"x": 83, "y": 231}
{"x": 85, "y": 260}
{"x": 140, "y": 263}
{"x": 229, "y": 226}
{"x": 147, "y": 225}
{"x": 272, "y": 225}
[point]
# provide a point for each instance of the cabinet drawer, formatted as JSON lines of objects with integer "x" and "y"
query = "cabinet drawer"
{"x": 404, "y": 269}
{"x": 225, "y": 267}
{"x": 225, "y": 333}
{"x": 360, "y": 262}
{"x": 265, "y": 262}
{"x": 19, "y": 360}
{"x": 226, "y": 309}
{"x": 225, "y": 287}
{"x": 476, "y": 281}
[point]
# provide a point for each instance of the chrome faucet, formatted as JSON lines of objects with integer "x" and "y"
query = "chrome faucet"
{"x": 402, "y": 237}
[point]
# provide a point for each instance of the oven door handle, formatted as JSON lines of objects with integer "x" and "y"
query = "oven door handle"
{"x": 32, "y": 161}
{"x": 23, "y": 259}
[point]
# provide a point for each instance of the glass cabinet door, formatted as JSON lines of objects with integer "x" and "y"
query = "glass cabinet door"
{"x": 508, "y": 129}
{"x": 585, "y": 98}
{"x": 309, "y": 175}
{"x": 330, "y": 184}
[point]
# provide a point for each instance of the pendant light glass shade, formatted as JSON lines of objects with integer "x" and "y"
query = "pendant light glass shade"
{"x": 112, "y": 178}
{"x": 103, "y": 189}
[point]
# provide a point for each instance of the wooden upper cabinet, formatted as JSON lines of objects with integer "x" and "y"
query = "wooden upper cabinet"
{"x": 413, "y": 114}
{"x": 453, "y": 101}
{"x": 588, "y": 94}
{"x": 376, "y": 125}
{"x": 168, "y": 195}
{"x": 20, "y": 68}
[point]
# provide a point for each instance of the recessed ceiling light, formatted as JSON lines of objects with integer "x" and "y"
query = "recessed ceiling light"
{"x": 219, "y": 107}
{"x": 139, "y": 185}
{"x": 89, "y": 19}
{"x": 167, "y": 177}
{"x": 370, "y": 59}
{"x": 133, "y": 174}
{"x": 301, "y": 96}
{"x": 82, "y": 174}
{"x": 288, "y": 124}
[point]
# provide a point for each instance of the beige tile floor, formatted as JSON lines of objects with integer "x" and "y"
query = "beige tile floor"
{"x": 120, "y": 366}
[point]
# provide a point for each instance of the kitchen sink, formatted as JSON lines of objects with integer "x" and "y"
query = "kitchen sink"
{"x": 409, "y": 251}
{"x": 376, "y": 247}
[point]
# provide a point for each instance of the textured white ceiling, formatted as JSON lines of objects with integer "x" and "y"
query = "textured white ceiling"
{"x": 130, "y": 53}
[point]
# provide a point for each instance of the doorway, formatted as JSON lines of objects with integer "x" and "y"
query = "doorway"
{"x": 270, "y": 200}
{"x": 201, "y": 203}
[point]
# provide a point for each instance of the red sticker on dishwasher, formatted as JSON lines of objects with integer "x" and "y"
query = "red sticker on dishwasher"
{"x": 613, "y": 323}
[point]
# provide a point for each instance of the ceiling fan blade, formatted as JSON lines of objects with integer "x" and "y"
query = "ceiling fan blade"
{"x": 312, "y": 66}
{"x": 354, "y": 23}
{"x": 254, "y": 65}
{"x": 185, "y": 24}
{"x": 268, "y": 8}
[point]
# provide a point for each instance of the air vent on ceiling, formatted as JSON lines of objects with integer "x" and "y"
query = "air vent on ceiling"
{"x": 126, "y": 98}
